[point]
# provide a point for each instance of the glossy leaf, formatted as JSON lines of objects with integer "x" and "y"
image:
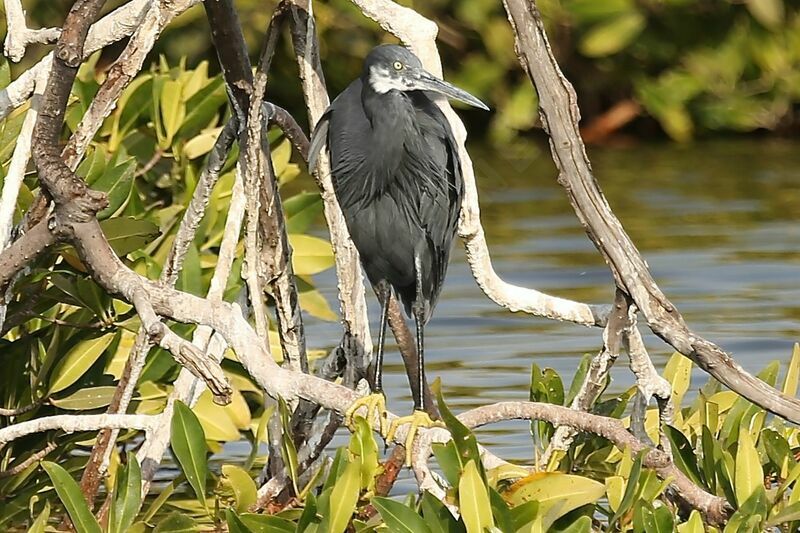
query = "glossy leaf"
{"x": 85, "y": 399}
{"x": 473, "y": 500}
{"x": 398, "y": 517}
{"x": 310, "y": 255}
{"x": 77, "y": 361}
{"x": 127, "y": 497}
{"x": 71, "y": 496}
{"x": 244, "y": 488}
{"x": 556, "y": 493}
{"x": 189, "y": 446}
{"x": 749, "y": 474}
{"x": 176, "y": 522}
{"x": 127, "y": 234}
{"x": 345, "y": 495}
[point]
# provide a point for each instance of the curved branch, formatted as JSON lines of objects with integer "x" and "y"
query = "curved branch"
{"x": 715, "y": 509}
{"x": 75, "y": 423}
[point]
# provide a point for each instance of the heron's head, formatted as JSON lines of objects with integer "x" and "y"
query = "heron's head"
{"x": 390, "y": 67}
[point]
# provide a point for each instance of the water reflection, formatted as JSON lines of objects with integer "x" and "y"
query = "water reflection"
{"x": 717, "y": 223}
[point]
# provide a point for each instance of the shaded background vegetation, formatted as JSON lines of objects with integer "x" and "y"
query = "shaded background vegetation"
{"x": 684, "y": 68}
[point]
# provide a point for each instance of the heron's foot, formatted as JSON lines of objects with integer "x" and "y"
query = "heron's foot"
{"x": 419, "y": 419}
{"x": 374, "y": 404}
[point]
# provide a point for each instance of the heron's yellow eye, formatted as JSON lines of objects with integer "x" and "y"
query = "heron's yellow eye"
{"x": 397, "y": 65}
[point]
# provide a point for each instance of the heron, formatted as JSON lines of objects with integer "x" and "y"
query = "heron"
{"x": 397, "y": 177}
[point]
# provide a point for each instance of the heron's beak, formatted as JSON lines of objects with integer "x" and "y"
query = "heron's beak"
{"x": 425, "y": 81}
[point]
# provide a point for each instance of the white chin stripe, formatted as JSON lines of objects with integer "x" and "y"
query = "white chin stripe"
{"x": 382, "y": 82}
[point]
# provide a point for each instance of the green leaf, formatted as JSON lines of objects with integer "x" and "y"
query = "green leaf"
{"x": 345, "y": 497}
{"x": 117, "y": 183}
{"x": 580, "y": 374}
{"x": 127, "y": 496}
{"x": 613, "y": 35}
{"x": 679, "y": 374}
{"x": 693, "y": 525}
{"x": 683, "y": 454}
{"x": 770, "y": 13}
{"x": 500, "y": 511}
{"x": 787, "y": 514}
{"x": 630, "y": 489}
{"x": 173, "y": 109}
{"x": 287, "y": 445}
{"x": 86, "y": 399}
{"x": 301, "y": 210}
{"x": 309, "y": 514}
{"x": 244, "y": 488}
{"x": 77, "y": 361}
{"x": 793, "y": 372}
{"x": 556, "y": 493}
{"x": 473, "y": 500}
{"x": 310, "y": 255}
{"x": 234, "y": 524}
{"x": 258, "y": 523}
{"x": 189, "y": 446}
{"x": 464, "y": 440}
{"x": 363, "y": 446}
{"x": 524, "y": 514}
{"x": 71, "y": 496}
{"x": 398, "y": 517}
{"x": 437, "y": 516}
{"x": 202, "y": 107}
{"x": 127, "y": 234}
{"x": 176, "y": 523}
{"x": 38, "y": 525}
{"x": 5, "y": 73}
{"x": 749, "y": 474}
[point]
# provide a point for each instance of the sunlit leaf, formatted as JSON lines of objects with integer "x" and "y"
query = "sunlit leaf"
{"x": 189, "y": 446}
{"x": 749, "y": 474}
{"x": 345, "y": 494}
{"x": 127, "y": 497}
{"x": 473, "y": 500}
{"x": 611, "y": 36}
{"x": 86, "y": 399}
{"x": 176, "y": 522}
{"x": 71, "y": 496}
{"x": 770, "y": 13}
{"x": 244, "y": 488}
{"x": 310, "y": 255}
{"x": 556, "y": 493}
{"x": 77, "y": 361}
{"x": 398, "y": 517}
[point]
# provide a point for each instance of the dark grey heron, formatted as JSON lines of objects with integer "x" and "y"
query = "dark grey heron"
{"x": 397, "y": 177}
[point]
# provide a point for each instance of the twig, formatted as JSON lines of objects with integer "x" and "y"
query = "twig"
{"x": 34, "y": 458}
{"x": 19, "y": 35}
{"x": 118, "y": 24}
{"x": 75, "y": 423}
{"x": 20, "y": 410}
{"x": 596, "y": 376}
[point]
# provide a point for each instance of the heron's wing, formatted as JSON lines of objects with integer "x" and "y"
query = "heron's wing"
{"x": 319, "y": 139}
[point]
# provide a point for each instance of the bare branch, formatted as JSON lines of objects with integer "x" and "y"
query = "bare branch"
{"x": 75, "y": 423}
{"x": 19, "y": 36}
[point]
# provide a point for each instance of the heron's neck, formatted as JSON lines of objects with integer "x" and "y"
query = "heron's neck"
{"x": 391, "y": 115}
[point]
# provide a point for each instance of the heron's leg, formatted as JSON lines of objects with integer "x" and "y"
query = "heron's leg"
{"x": 375, "y": 403}
{"x": 420, "y": 417}
{"x": 383, "y": 291}
{"x": 419, "y": 322}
